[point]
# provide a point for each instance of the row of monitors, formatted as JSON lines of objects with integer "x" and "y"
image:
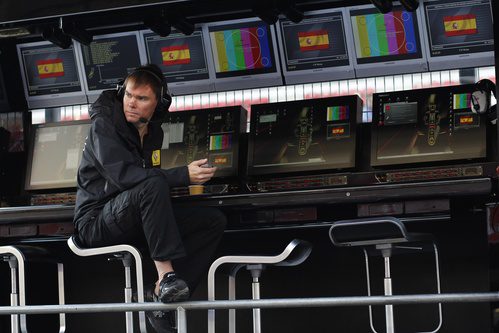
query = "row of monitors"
{"x": 327, "y": 45}
{"x": 308, "y": 136}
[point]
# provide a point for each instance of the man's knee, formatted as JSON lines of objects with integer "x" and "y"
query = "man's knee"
{"x": 154, "y": 186}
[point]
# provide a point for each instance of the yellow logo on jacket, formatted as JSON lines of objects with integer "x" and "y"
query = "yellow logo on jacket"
{"x": 156, "y": 157}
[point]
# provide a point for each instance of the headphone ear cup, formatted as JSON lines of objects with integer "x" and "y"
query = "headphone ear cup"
{"x": 120, "y": 90}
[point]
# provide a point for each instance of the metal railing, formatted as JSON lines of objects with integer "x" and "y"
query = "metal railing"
{"x": 181, "y": 308}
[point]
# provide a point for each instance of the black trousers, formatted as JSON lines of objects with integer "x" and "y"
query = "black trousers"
{"x": 188, "y": 236}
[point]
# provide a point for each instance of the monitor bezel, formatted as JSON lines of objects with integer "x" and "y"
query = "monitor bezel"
{"x": 238, "y": 82}
{"x": 374, "y": 161}
{"x": 390, "y": 66}
{"x": 241, "y": 115}
{"x": 474, "y": 59}
{"x": 51, "y": 100}
{"x": 31, "y": 149}
{"x": 92, "y": 95}
{"x": 323, "y": 73}
{"x": 354, "y": 120}
{"x": 188, "y": 86}
{"x": 4, "y": 102}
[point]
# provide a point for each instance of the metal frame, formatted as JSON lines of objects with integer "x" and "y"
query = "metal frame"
{"x": 123, "y": 252}
{"x": 294, "y": 254}
{"x": 16, "y": 260}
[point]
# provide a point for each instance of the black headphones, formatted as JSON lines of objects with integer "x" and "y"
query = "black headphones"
{"x": 165, "y": 99}
{"x": 480, "y": 99}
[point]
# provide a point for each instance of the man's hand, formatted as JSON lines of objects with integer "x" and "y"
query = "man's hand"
{"x": 198, "y": 173}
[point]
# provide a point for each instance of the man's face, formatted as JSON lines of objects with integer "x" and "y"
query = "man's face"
{"x": 138, "y": 102}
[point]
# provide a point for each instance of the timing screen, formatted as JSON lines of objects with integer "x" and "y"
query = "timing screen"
{"x": 50, "y": 70}
{"x": 297, "y": 137}
{"x": 426, "y": 125}
{"x": 180, "y": 57}
{"x": 317, "y": 41}
{"x": 459, "y": 27}
{"x": 190, "y": 136}
{"x": 56, "y": 156}
{"x": 109, "y": 60}
{"x": 385, "y": 37}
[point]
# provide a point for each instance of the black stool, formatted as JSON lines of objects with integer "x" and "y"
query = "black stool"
{"x": 296, "y": 252}
{"x": 125, "y": 253}
{"x": 16, "y": 256}
{"x": 385, "y": 236}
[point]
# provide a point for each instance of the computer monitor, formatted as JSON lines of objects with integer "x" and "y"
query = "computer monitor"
{"x": 426, "y": 125}
{"x": 51, "y": 75}
{"x": 386, "y": 43}
{"x": 54, "y": 155}
{"x": 108, "y": 60}
{"x": 315, "y": 49}
{"x": 210, "y": 133}
{"x": 243, "y": 54}
{"x": 303, "y": 136}
{"x": 459, "y": 33}
{"x": 182, "y": 59}
{"x": 4, "y": 102}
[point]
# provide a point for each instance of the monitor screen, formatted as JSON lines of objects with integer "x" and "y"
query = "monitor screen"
{"x": 51, "y": 75}
{"x": 315, "y": 49}
{"x": 459, "y": 33}
{"x": 426, "y": 125}
{"x": 386, "y": 43}
{"x": 182, "y": 59}
{"x": 197, "y": 134}
{"x": 55, "y": 154}
{"x": 4, "y": 103}
{"x": 307, "y": 135}
{"x": 108, "y": 60}
{"x": 243, "y": 54}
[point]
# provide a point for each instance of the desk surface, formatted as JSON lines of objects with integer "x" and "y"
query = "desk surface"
{"x": 358, "y": 194}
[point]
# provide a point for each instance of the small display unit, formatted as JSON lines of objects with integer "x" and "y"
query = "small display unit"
{"x": 426, "y": 125}
{"x": 243, "y": 54}
{"x": 210, "y": 133}
{"x": 182, "y": 59}
{"x": 312, "y": 135}
{"x": 107, "y": 61}
{"x": 386, "y": 43}
{"x": 54, "y": 155}
{"x": 51, "y": 75}
{"x": 459, "y": 33}
{"x": 316, "y": 49}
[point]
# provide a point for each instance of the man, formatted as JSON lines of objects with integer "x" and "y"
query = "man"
{"x": 122, "y": 198}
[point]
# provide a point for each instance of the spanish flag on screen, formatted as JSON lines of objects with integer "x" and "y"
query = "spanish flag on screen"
{"x": 176, "y": 55}
{"x": 460, "y": 25}
{"x": 50, "y": 68}
{"x": 313, "y": 40}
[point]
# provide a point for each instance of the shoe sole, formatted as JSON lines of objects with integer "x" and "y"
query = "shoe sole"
{"x": 177, "y": 296}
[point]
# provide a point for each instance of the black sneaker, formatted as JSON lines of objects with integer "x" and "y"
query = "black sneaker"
{"x": 172, "y": 289}
{"x": 161, "y": 321}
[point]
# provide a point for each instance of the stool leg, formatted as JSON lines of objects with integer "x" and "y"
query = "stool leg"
{"x": 232, "y": 296}
{"x": 128, "y": 296}
{"x": 256, "y": 272}
{"x": 390, "y": 328}
{"x": 14, "y": 297}
{"x": 60, "y": 283}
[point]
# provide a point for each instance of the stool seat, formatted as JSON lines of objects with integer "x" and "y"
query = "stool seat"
{"x": 295, "y": 253}
{"x": 124, "y": 252}
{"x": 16, "y": 256}
{"x": 386, "y": 236}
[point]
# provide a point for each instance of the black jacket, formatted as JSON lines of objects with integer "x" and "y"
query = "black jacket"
{"x": 113, "y": 159}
